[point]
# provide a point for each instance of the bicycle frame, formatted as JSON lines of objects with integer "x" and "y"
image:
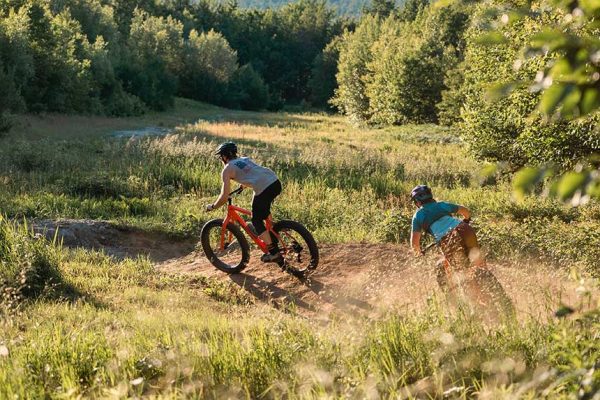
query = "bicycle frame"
{"x": 234, "y": 217}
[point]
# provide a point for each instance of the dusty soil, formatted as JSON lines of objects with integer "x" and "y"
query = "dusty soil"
{"x": 355, "y": 279}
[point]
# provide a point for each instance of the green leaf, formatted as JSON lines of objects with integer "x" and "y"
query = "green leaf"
{"x": 487, "y": 173}
{"x": 590, "y": 6}
{"x": 563, "y": 311}
{"x": 570, "y": 183}
{"x": 561, "y": 67}
{"x": 593, "y": 188}
{"x": 551, "y": 38}
{"x": 590, "y": 100}
{"x": 552, "y": 97}
{"x": 570, "y": 103}
{"x": 525, "y": 180}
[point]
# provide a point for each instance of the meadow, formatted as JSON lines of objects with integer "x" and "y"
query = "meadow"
{"x": 81, "y": 323}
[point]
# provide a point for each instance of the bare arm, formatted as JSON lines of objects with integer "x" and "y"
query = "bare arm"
{"x": 415, "y": 242}
{"x": 225, "y": 189}
{"x": 464, "y": 211}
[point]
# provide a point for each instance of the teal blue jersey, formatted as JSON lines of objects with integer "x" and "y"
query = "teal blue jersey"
{"x": 436, "y": 218}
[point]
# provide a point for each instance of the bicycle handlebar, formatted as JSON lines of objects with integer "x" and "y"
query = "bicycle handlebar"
{"x": 236, "y": 191}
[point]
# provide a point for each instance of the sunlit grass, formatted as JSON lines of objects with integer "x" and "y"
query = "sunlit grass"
{"x": 102, "y": 328}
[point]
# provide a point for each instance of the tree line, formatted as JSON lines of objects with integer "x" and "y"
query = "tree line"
{"x": 426, "y": 63}
{"x": 116, "y": 57}
{"x": 342, "y": 7}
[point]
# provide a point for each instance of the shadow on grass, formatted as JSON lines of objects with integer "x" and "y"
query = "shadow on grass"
{"x": 307, "y": 294}
{"x": 270, "y": 293}
{"x": 41, "y": 283}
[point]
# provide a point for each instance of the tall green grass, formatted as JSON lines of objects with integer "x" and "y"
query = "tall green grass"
{"x": 344, "y": 183}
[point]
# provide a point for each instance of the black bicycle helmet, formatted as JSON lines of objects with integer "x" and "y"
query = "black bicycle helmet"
{"x": 421, "y": 193}
{"x": 227, "y": 149}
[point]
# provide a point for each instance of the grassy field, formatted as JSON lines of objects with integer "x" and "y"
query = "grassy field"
{"x": 79, "y": 323}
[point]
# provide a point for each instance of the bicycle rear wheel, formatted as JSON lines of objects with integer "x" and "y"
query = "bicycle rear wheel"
{"x": 298, "y": 247}
{"x": 235, "y": 253}
{"x": 491, "y": 286}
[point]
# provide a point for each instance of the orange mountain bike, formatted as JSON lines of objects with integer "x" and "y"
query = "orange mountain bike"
{"x": 227, "y": 248}
{"x": 478, "y": 286}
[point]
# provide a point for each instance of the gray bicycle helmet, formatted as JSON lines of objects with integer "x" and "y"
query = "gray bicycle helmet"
{"x": 421, "y": 193}
{"x": 227, "y": 149}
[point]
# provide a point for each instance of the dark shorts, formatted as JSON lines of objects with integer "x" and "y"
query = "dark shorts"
{"x": 261, "y": 205}
{"x": 458, "y": 245}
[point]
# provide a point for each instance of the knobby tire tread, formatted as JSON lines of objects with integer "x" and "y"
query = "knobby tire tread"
{"x": 239, "y": 236}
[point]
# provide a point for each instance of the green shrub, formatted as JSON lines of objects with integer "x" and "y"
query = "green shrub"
{"x": 209, "y": 65}
{"x": 322, "y": 82}
{"x": 153, "y": 59}
{"x": 355, "y": 55}
{"x": 510, "y": 129}
{"x": 16, "y": 61}
{"x": 449, "y": 107}
{"x": 393, "y": 71}
{"x": 247, "y": 90}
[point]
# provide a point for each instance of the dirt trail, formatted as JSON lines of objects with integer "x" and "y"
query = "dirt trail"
{"x": 356, "y": 279}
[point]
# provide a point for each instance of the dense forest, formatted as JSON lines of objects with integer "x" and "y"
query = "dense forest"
{"x": 120, "y": 58}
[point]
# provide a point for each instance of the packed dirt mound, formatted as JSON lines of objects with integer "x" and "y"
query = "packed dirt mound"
{"x": 115, "y": 240}
{"x": 356, "y": 279}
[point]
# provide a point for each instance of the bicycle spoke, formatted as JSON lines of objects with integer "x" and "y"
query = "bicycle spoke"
{"x": 231, "y": 253}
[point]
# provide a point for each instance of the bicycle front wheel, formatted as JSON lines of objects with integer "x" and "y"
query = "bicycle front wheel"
{"x": 228, "y": 250}
{"x": 298, "y": 247}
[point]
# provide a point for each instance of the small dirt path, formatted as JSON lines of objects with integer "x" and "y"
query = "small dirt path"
{"x": 355, "y": 279}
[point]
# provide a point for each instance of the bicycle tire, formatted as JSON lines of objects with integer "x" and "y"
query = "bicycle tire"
{"x": 214, "y": 259}
{"x": 290, "y": 250}
{"x": 488, "y": 282}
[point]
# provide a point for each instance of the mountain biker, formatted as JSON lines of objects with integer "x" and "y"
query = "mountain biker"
{"x": 264, "y": 183}
{"x": 456, "y": 238}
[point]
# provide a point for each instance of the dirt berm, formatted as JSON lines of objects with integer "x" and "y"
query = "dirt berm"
{"x": 354, "y": 279}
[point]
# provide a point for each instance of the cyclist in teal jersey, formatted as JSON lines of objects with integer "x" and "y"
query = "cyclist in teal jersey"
{"x": 456, "y": 237}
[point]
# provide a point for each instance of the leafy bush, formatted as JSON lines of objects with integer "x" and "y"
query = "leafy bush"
{"x": 209, "y": 64}
{"x": 355, "y": 54}
{"x": 247, "y": 90}
{"x": 153, "y": 59}
{"x": 393, "y": 71}
{"x": 322, "y": 82}
{"x": 16, "y": 61}
{"x": 449, "y": 107}
{"x": 510, "y": 129}
{"x": 407, "y": 75}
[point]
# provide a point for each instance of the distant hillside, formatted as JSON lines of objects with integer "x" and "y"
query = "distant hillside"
{"x": 344, "y": 7}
